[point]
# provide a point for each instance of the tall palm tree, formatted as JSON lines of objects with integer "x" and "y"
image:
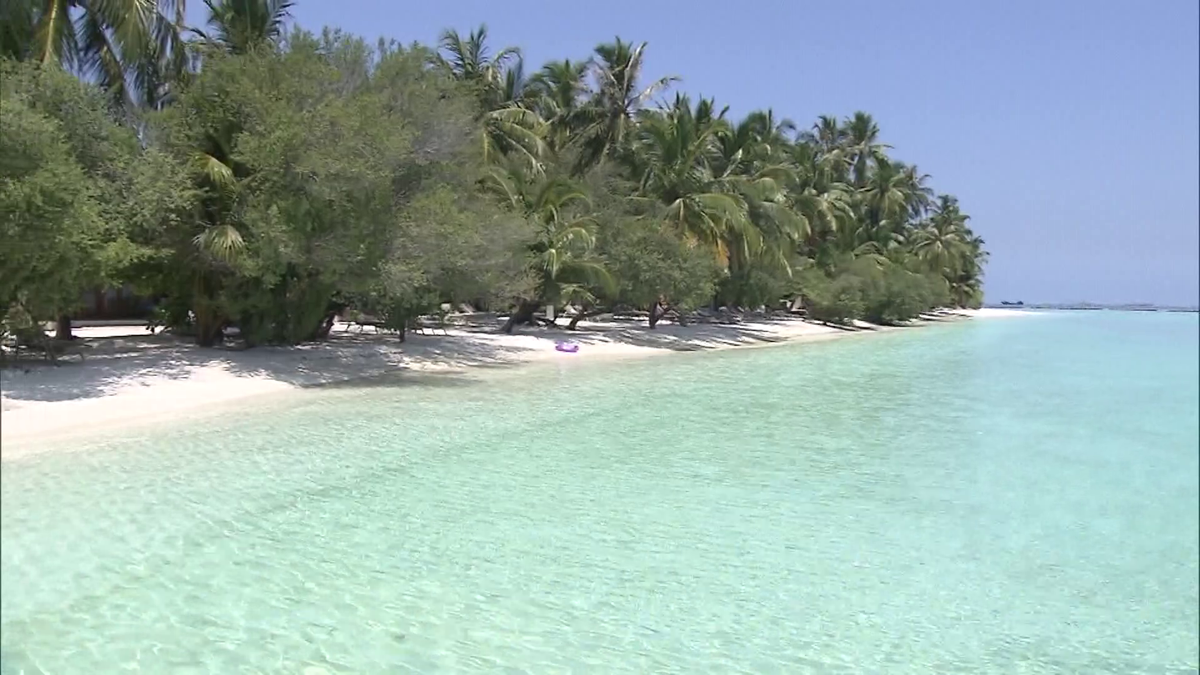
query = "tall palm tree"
{"x": 515, "y": 88}
{"x": 883, "y": 207}
{"x": 949, "y": 246}
{"x": 967, "y": 286}
{"x": 618, "y": 96}
{"x": 470, "y": 60}
{"x": 558, "y": 91}
{"x": 122, "y": 45}
{"x": 772, "y": 132}
{"x": 166, "y": 64}
{"x": 826, "y": 133}
{"x": 235, "y": 27}
{"x": 862, "y": 147}
{"x": 238, "y": 26}
{"x": 916, "y": 185}
{"x": 749, "y": 163}
{"x": 674, "y": 158}
{"x": 942, "y": 241}
{"x": 563, "y": 251}
{"x": 510, "y": 123}
{"x": 818, "y": 195}
{"x": 827, "y": 138}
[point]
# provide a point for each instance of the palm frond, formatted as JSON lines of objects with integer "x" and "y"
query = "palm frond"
{"x": 223, "y": 242}
{"x": 216, "y": 171}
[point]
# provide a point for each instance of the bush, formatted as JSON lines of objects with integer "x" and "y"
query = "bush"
{"x": 648, "y": 260}
{"x": 754, "y": 287}
{"x": 837, "y": 300}
{"x": 894, "y": 295}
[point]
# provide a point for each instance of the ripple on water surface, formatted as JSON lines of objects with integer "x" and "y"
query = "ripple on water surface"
{"x": 999, "y": 496}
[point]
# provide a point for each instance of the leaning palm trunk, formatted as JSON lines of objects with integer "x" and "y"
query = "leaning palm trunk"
{"x": 585, "y": 312}
{"x": 522, "y": 315}
{"x": 660, "y": 309}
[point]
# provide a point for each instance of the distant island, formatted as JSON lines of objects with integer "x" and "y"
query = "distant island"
{"x": 1127, "y": 307}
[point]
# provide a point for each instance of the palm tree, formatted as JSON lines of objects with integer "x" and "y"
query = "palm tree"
{"x": 517, "y": 131}
{"x": 167, "y": 63}
{"x": 238, "y": 26}
{"x": 883, "y": 207}
{"x": 750, "y": 163}
{"x": 819, "y": 197}
{"x": 469, "y": 60}
{"x": 558, "y": 91}
{"x": 515, "y": 88}
{"x": 772, "y": 133}
{"x": 826, "y": 133}
{"x": 862, "y": 147}
{"x": 562, "y": 252}
{"x": 967, "y": 286}
{"x": 235, "y": 27}
{"x": 920, "y": 195}
{"x": 827, "y": 139}
{"x": 673, "y": 158}
{"x": 123, "y": 45}
{"x": 940, "y": 242}
{"x": 618, "y": 96}
{"x": 510, "y": 123}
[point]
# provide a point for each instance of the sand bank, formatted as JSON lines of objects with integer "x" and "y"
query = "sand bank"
{"x": 994, "y": 312}
{"x": 130, "y": 376}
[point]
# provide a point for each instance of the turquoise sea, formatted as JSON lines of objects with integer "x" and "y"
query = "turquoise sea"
{"x": 1010, "y": 495}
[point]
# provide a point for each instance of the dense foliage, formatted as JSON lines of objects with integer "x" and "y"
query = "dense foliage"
{"x": 267, "y": 180}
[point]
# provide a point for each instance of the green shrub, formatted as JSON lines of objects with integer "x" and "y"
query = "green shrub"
{"x": 754, "y": 286}
{"x": 894, "y": 295}
{"x": 837, "y": 300}
{"x": 648, "y": 260}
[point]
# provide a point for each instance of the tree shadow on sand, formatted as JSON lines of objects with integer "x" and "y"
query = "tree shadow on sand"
{"x": 115, "y": 363}
{"x": 350, "y": 359}
{"x": 692, "y": 337}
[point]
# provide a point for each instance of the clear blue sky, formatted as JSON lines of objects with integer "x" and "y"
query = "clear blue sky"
{"x": 1067, "y": 128}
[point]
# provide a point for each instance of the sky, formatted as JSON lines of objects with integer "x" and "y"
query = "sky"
{"x": 1068, "y": 129}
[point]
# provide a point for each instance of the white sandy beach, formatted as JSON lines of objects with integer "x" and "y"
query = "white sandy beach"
{"x": 130, "y": 376}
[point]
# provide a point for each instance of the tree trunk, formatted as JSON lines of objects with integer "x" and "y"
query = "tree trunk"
{"x": 659, "y": 310}
{"x": 326, "y": 326}
{"x": 581, "y": 315}
{"x": 63, "y": 329}
{"x": 210, "y": 330}
{"x": 210, "y": 333}
{"x": 524, "y": 314}
{"x": 656, "y": 312}
{"x": 209, "y": 326}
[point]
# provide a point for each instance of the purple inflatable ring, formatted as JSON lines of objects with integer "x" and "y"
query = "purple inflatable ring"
{"x": 567, "y": 347}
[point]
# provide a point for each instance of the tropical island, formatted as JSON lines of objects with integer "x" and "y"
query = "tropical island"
{"x": 255, "y": 185}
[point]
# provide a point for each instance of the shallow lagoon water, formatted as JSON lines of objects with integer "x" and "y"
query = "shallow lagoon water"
{"x": 1002, "y": 495}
